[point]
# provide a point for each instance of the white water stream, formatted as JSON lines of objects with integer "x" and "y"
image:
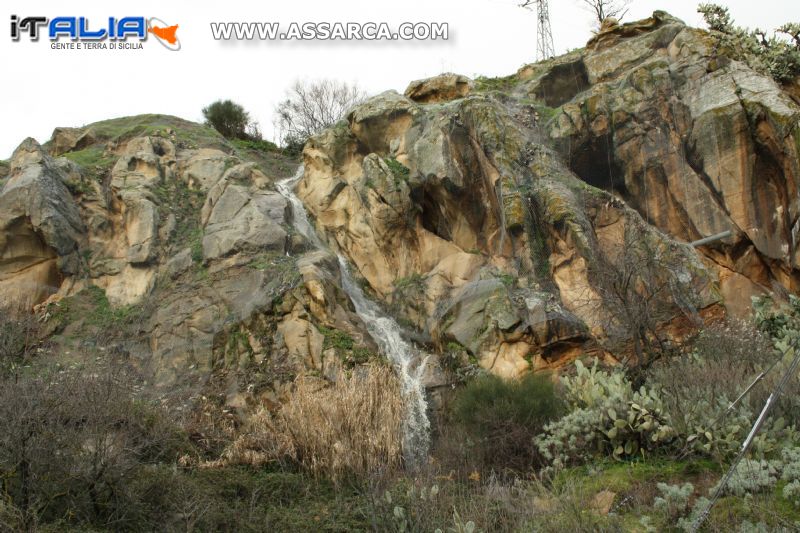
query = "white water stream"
{"x": 409, "y": 363}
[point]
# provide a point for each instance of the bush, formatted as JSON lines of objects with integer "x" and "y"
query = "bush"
{"x": 773, "y": 55}
{"x": 674, "y": 500}
{"x": 257, "y": 144}
{"x": 20, "y": 336}
{"x": 228, "y": 118}
{"x": 752, "y": 476}
{"x": 724, "y": 359}
{"x": 608, "y": 417}
{"x": 698, "y": 388}
{"x": 502, "y": 417}
{"x": 70, "y": 441}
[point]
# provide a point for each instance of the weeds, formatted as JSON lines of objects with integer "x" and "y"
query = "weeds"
{"x": 351, "y": 427}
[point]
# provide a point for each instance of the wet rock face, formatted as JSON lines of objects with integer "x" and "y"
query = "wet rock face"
{"x": 499, "y": 221}
{"x": 697, "y": 144}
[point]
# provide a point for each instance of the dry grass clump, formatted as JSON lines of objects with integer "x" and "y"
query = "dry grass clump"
{"x": 352, "y": 426}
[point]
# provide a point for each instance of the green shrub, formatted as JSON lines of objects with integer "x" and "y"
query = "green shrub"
{"x": 293, "y": 146}
{"x": 791, "y": 492}
{"x": 724, "y": 359}
{"x": 687, "y": 523}
{"x": 228, "y": 118}
{"x": 506, "y": 83}
{"x": 751, "y": 477}
{"x": 255, "y": 144}
{"x": 502, "y": 417}
{"x": 415, "y": 281}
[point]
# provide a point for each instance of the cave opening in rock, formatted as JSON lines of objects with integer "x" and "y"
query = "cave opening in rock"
{"x": 594, "y": 163}
{"x": 562, "y": 83}
{"x": 433, "y": 219}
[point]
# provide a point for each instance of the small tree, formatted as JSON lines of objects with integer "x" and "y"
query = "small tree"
{"x": 310, "y": 107}
{"x": 230, "y": 119}
{"x": 641, "y": 294}
{"x": 603, "y": 9}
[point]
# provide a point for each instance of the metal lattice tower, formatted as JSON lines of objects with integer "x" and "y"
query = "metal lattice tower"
{"x": 544, "y": 35}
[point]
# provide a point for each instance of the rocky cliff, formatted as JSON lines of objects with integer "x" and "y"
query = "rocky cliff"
{"x": 499, "y": 215}
{"x": 515, "y": 223}
{"x": 162, "y": 242}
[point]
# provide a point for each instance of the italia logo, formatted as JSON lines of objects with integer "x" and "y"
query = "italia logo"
{"x": 125, "y": 32}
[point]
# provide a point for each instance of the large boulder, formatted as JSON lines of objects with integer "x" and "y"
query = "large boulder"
{"x": 68, "y": 139}
{"x": 441, "y": 88}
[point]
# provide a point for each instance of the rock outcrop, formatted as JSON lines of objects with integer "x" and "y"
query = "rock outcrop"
{"x": 186, "y": 233}
{"x": 41, "y": 231}
{"x": 697, "y": 143}
{"x": 441, "y": 88}
{"x": 501, "y": 220}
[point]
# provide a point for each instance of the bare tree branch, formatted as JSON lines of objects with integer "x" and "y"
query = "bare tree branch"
{"x": 310, "y": 107}
{"x": 603, "y": 9}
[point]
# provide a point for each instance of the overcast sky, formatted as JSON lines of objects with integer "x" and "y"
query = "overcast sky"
{"x": 44, "y": 88}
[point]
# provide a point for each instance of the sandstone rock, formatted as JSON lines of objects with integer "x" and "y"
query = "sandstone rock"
{"x": 238, "y": 217}
{"x": 68, "y": 139}
{"x": 130, "y": 225}
{"x": 41, "y": 231}
{"x": 656, "y": 85}
{"x": 137, "y": 171}
{"x": 611, "y": 32}
{"x": 203, "y": 168}
{"x": 603, "y": 501}
{"x": 451, "y": 196}
{"x": 302, "y": 340}
{"x": 142, "y": 231}
{"x": 178, "y": 263}
{"x": 441, "y": 88}
{"x": 477, "y": 309}
{"x": 129, "y": 286}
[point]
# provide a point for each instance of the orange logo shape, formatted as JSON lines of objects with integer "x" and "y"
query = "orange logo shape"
{"x": 167, "y": 34}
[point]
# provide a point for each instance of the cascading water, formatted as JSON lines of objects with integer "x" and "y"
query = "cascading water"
{"x": 410, "y": 364}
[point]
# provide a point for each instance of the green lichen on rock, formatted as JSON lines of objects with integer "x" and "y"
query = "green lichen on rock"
{"x": 514, "y": 208}
{"x": 399, "y": 171}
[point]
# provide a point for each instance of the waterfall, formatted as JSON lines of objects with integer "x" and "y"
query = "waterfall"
{"x": 408, "y": 362}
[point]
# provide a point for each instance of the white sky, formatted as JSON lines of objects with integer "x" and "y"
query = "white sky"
{"x": 44, "y": 88}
